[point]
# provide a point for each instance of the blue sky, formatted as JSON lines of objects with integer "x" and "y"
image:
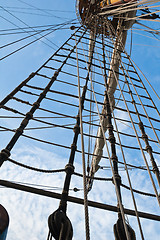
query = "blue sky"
{"x": 28, "y": 213}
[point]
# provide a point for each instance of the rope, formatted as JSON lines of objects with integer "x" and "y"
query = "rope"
{"x": 129, "y": 180}
{"x": 115, "y": 182}
{"x": 144, "y": 157}
{"x": 94, "y": 178}
{"x": 7, "y": 98}
{"x": 33, "y": 168}
{"x": 82, "y": 144}
{"x": 139, "y": 192}
{"x": 30, "y": 27}
{"x": 144, "y": 136}
{"x": 124, "y": 156}
{"x": 24, "y": 38}
{"x": 77, "y": 174}
{"x": 26, "y": 45}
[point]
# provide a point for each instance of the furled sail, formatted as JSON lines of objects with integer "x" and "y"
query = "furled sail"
{"x": 112, "y": 79}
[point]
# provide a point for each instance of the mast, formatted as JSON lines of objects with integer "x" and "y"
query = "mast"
{"x": 88, "y": 100}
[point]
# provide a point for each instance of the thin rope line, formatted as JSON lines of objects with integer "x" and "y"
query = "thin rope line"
{"x": 147, "y": 82}
{"x": 129, "y": 7}
{"x": 129, "y": 180}
{"x": 139, "y": 118}
{"x": 33, "y": 168}
{"x": 143, "y": 15}
{"x": 136, "y": 134}
{"x": 115, "y": 183}
{"x": 126, "y": 168}
{"x": 139, "y": 96}
{"x": 83, "y": 154}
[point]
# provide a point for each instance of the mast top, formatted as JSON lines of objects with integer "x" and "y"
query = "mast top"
{"x": 89, "y": 11}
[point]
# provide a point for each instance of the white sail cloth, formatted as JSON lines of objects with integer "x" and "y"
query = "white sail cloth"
{"x": 113, "y": 77}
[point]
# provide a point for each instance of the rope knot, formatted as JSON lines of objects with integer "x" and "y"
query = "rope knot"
{"x": 32, "y": 75}
{"x": 69, "y": 168}
{"x": 36, "y": 104}
{"x": 141, "y": 125}
{"x": 73, "y": 146}
{"x": 4, "y": 155}
{"x": 112, "y": 139}
{"x": 144, "y": 136}
{"x": 117, "y": 179}
{"x": 76, "y": 129}
{"x": 29, "y": 115}
{"x": 148, "y": 148}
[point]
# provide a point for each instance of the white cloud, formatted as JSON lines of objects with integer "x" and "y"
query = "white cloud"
{"x": 29, "y": 213}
